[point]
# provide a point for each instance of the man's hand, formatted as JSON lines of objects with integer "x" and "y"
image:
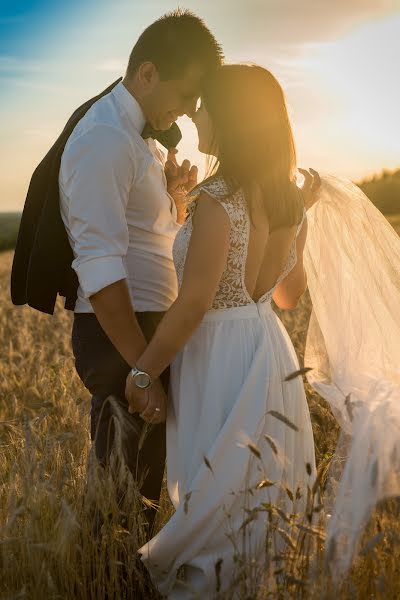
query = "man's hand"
{"x": 145, "y": 402}
{"x": 180, "y": 180}
{"x": 312, "y": 183}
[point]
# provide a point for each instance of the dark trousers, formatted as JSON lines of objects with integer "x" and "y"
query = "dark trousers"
{"x": 103, "y": 372}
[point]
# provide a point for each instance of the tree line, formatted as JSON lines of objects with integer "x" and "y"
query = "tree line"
{"x": 382, "y": 189}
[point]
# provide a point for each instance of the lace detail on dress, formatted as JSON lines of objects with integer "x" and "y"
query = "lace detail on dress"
{"x": 232, "y": 291}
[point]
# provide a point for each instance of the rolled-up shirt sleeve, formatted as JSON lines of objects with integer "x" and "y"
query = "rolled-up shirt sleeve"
{"x": 96, "y": 174}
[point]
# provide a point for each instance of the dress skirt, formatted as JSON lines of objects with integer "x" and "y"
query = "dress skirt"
{"x": 222, "y": 441}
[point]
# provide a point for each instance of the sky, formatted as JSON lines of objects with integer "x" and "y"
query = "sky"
{"x": 338, "y": 62}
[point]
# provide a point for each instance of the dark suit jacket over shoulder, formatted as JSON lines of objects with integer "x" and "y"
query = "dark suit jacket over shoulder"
{"x": 43, "y": 256}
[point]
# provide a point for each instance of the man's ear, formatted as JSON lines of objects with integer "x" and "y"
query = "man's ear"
{"x": 148, "y": 75}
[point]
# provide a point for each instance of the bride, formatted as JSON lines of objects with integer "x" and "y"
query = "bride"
{"x": 238, "y": 433}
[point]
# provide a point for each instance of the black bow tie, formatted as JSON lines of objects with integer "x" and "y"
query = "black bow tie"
{"x": 169, "y": 138}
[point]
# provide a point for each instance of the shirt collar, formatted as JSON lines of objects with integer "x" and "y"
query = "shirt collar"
{"x": 131, "y": 106}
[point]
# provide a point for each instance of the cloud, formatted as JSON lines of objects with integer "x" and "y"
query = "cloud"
{"x": 112, "y": 65}
{"x": 12, "y": 64}
{"x": 291, "y": 22}
{"x": 39, "y": 86}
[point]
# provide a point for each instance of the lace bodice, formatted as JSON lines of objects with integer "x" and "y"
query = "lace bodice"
{"x": 232, "y": 291}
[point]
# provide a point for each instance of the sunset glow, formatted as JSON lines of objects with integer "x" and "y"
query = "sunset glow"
{"x": 338, "y": 64}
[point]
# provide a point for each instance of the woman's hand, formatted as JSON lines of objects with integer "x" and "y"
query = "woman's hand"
{"x": 151, "y": 404}
{"x": 180, "y": 180}
{"x": 182, "y": 177}
{"x": 312, "y": 183}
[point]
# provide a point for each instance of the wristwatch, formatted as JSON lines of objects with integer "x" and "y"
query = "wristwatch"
{"x": 141, "y": 378}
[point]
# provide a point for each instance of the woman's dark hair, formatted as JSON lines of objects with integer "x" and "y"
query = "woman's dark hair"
{"x": 173, "y": 42}
{"x": 253, "y": 140}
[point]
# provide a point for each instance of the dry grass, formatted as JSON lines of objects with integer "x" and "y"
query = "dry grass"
{"x": 47, "y": 546}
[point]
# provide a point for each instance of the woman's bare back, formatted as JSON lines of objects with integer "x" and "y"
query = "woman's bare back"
{"x": 257, "y": 263}
{"x": 267, "y": 255}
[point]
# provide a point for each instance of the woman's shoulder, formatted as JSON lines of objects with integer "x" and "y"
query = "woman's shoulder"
{"x": 215, "y": 186}
{"x": 229, "y": 197}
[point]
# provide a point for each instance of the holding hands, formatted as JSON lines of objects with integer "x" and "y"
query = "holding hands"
{"x": 151, "y": 403}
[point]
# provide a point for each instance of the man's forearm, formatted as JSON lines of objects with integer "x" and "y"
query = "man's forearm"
{"x": 114, "y": 311}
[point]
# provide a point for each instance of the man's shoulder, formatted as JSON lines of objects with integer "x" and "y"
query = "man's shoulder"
{"x": 93, "y": 139}
{"x": 100, "y": 131}
{"x": 103, "y": 123}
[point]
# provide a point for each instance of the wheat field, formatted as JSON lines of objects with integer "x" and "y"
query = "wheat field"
{"x": 47, "y": 547}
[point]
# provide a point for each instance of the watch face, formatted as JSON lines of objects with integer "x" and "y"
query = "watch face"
{"x": 142, "y": 380}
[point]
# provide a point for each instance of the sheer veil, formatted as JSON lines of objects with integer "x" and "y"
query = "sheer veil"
{"x": 352, "y": 260}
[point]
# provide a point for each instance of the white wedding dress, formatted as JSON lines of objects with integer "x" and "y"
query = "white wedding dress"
{"x": 224, "y": 383}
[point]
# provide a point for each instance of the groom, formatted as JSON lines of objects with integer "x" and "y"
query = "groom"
{"x": 119, "y": 214}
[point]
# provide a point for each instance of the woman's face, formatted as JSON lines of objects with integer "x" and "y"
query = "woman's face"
{"x": 205, "y": 130}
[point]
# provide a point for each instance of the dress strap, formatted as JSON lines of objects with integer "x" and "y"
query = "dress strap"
{"x": 214, "y": 186}
{"x": 217, "y": 188}
{"x": 292, "y": 258}
{"x": 300, "y": 225}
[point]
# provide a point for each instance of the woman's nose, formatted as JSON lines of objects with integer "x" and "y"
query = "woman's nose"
{"x": 191, "y": 108}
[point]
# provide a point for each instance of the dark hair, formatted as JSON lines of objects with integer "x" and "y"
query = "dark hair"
{"x": 254, "y": 141}
{"x": 173, "y": 42}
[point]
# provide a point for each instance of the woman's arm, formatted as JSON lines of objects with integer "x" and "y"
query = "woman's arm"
{"x": 205, "y": 263}
{"x": 289, "y": 291}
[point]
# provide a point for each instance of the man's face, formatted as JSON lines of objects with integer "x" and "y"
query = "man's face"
{"x": 165, "y": 101}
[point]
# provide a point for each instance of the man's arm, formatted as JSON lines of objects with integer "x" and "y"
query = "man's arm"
{"x": 96, "y": 176}
{"x": 113, "y": 308}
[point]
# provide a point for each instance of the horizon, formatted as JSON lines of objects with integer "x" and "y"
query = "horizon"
{"x": 359, "y": 181}
{"x": 334, "y": 63}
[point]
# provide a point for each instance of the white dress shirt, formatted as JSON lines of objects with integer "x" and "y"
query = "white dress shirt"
{"x": 120, "y": 219}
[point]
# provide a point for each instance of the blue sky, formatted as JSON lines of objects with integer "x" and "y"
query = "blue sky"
{"x": 338, "y": 63}
{"x": 25, "y": 26}
{"x": 20, "y": 24}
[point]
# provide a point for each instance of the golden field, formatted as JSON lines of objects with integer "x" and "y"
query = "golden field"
{"x": 47, "y": 549}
